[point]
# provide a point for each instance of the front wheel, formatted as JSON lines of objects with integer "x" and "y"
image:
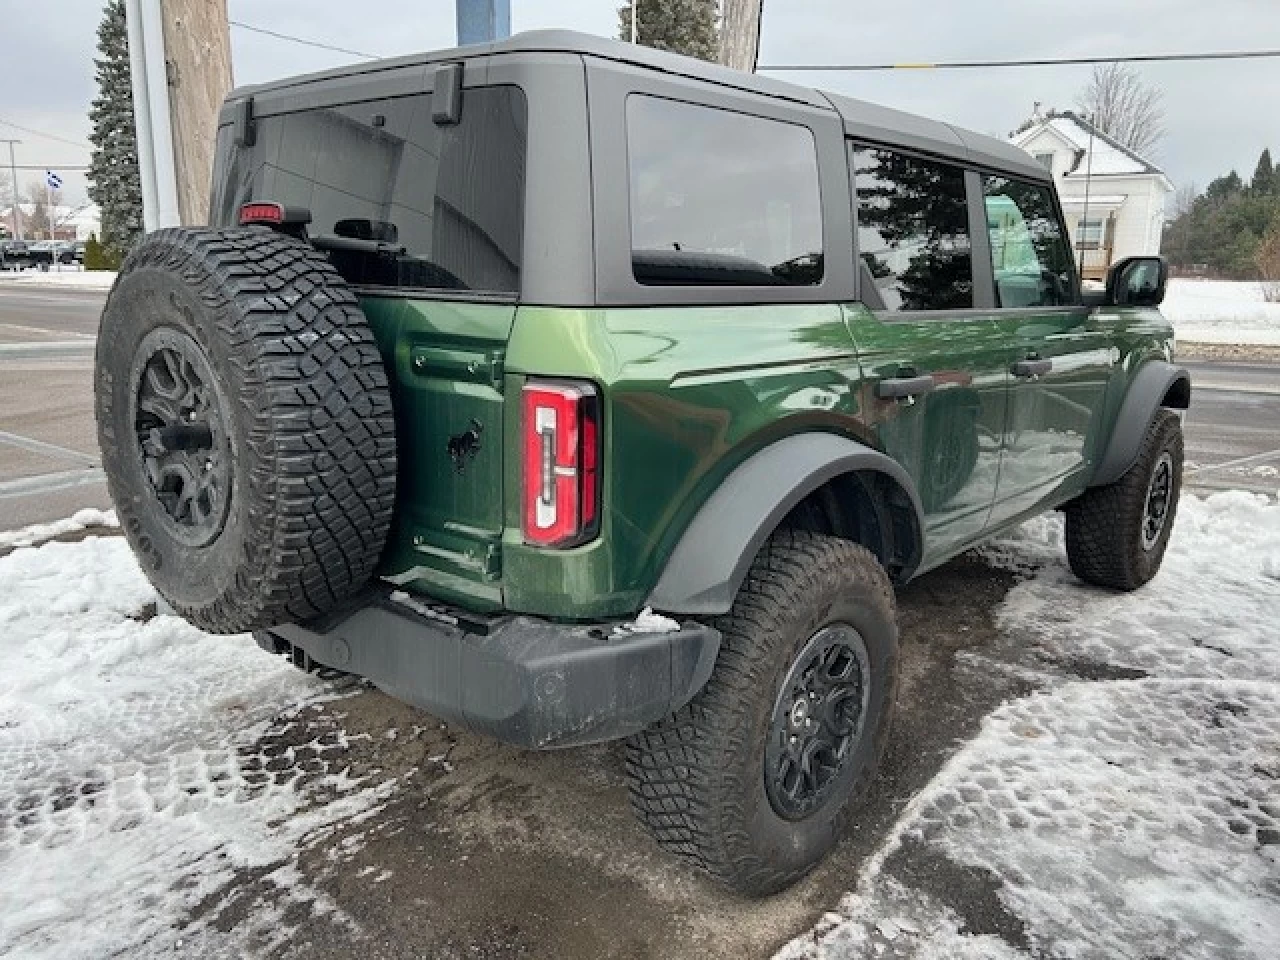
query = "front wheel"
{"x": 1117, "y": 534}
{"x": 754, "y": 779}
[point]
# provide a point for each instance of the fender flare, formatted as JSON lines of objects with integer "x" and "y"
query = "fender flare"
{"x": 709, "y": 563}
{"x": 1144, "y": 398}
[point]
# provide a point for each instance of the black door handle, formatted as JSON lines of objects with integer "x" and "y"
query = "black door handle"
{"x": 1032, "y": 368}
{"x": 903, "y": 388}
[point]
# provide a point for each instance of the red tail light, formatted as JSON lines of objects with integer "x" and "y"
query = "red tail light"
{"x": 561, "y": 423}
{"x": 251, "y": 213}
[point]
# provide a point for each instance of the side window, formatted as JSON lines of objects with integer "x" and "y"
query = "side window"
{"x": 913, "y": 230}
{"x": 719, "y": 197}
{"x": 1029, "y": 250}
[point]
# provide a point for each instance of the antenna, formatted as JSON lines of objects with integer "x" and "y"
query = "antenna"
{"x": 1084, "y": 219}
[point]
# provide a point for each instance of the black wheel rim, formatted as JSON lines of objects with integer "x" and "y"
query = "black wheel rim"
{"x": 818, "y": 719}
{"x": 181, "y": 435}
{"x": 1155, "y": 512}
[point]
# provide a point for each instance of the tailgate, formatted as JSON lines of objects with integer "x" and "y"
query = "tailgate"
{"x": 445, "y": 360}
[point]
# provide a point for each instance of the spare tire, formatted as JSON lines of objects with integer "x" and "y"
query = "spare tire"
{"x": 246, "y": 427}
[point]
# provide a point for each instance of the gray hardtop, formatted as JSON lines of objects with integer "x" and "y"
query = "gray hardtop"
{"x": 862, "y": 120}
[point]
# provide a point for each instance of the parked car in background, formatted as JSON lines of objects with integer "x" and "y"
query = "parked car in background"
{"x": 14, "y": 255}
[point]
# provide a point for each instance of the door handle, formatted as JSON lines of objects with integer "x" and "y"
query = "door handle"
{"x": 1030, "y": 369}
{"x": 904, "y": 388}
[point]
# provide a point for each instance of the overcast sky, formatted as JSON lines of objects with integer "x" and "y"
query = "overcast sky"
{"x": 1219, "y": 115}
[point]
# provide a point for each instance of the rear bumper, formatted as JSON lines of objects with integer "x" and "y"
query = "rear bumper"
{"x": 528, "y": 682}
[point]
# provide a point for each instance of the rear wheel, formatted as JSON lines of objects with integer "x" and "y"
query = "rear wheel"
{"x": 1117, "y": 534}
{"x": 754, "y": 779}
{"x": 246, "y": 427}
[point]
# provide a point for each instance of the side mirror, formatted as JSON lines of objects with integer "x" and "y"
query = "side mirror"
{"x": 1137, "y": 282}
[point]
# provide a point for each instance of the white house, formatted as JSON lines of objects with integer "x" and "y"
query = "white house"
{"x": 1114, "y": 200}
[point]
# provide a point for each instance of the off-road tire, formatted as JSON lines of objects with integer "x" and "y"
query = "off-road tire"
{"x": 697, "y": 779}
{"x": 307, "y": 432}
{"x": 1104, "y": 526}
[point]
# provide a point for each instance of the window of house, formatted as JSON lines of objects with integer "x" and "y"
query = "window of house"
{"x": 913, "y": 231}
{"x": 1030, "y": 256}
{"x": 396, "y": 200}
{"x": 1045, "y": 160}
{"x": 1089, "y": 234}
{"x": 721, "y": 198}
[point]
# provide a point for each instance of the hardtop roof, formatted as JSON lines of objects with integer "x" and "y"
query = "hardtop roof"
{"x": 862, "y": 120}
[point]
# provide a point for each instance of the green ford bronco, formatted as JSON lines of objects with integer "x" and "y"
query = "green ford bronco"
{"x": 574, "y": 391}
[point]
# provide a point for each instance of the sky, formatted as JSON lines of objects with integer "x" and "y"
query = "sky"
{"x": 1219, "y": 116}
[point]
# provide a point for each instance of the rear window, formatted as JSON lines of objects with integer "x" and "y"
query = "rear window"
{"x": 395, "y": 199}
{"x": 719, "y": 197}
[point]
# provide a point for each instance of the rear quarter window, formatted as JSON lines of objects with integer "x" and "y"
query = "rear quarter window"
{"x": 396, "y": 200}
{"x": 721, "y": 198}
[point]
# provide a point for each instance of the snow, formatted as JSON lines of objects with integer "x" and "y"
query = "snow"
{"x": 67, "y": 276}
{"x": 1221, "y": 311}
{"x": 1131, "y": 817}
{"x": 82, "y": 520}
{"x": 647, "y": 622}
{"x": 1107, "y": 159}
{"x": 139, "y": 767}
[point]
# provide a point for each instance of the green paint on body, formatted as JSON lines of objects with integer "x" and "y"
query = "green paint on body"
{"x": 689, "y": 393}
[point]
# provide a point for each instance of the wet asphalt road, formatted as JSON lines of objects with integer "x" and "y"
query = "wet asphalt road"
{"x": 48, "y": 451}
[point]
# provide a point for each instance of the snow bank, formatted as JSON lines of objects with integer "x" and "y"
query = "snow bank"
{"x": 145, "y": 765}
{"x": 66, "y": 277}
{"x": 1220, "y": 311}
{"x": 1138, "y": 816}
{"x": 82, "y": 520}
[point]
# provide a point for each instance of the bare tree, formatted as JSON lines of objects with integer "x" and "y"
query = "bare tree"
{"x": 740, "y": 34}
{"x": 1268, "y": 261}
{"x": 40, "y": 222}
{"x": 1184, "y": 199}
{"x": 1122, "y": 106}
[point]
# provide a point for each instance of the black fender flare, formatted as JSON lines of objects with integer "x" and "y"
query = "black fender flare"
{"x": 1144, "y": 398}
{"x": 709, "y": 563}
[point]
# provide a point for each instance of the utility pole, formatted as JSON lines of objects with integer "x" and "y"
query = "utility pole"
{"x": 197, "y": 52}
{"x": 13, "y": 183}
{"x": 740, "y": 34}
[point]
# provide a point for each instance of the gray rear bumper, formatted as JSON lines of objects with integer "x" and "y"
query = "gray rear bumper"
{"x": 529, "y": 682}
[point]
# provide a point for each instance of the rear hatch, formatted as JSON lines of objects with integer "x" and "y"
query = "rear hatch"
{"x": 422, "y": 214}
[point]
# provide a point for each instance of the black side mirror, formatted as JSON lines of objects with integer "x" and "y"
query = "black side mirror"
{"x": 1137, "y": 282}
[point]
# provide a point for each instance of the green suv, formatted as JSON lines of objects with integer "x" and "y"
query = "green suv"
{"x": 575, "y": 391}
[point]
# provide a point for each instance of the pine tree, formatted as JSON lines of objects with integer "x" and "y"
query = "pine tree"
{"x": 680, "y": 26}
{"x": 114, "y": 184}
{"x": 1264, "y": 176}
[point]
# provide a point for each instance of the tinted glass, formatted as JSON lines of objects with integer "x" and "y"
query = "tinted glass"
{"x": 913, "y": 231}
{"x": 721, "y": 198}
{"x": 395, "y": 199}
{"x": 1029, "y": 251}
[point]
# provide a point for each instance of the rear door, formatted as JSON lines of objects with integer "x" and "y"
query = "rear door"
{"x": 1063, "y": 360}
{"x": 936, "y": 368}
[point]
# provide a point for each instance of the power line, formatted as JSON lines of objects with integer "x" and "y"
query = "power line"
{"x": 1046, "y": 62}
{"x": 41, "y": 133}
{"x": 306, "y": 43}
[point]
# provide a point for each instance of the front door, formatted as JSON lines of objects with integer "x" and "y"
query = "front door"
{"x": 1063, "y": 360}
{"x": 936, "y": 369}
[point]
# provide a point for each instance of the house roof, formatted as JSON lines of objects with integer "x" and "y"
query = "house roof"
{"x": 1110, "y": 156}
